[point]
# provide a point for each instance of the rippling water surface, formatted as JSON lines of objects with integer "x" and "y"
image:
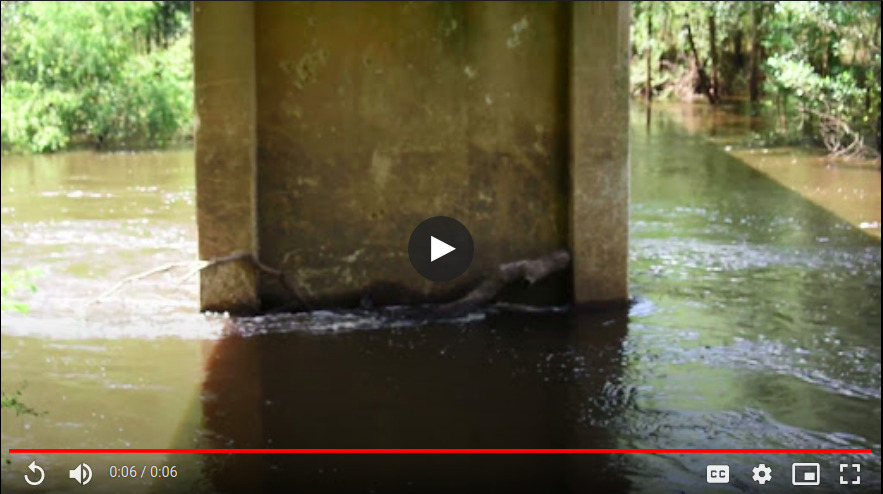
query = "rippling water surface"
{"x": 756, "y": 324}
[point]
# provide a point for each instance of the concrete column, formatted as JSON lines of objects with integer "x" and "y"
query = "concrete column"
{"x": 226, "y": 166}
{"x": 599, "y": 164}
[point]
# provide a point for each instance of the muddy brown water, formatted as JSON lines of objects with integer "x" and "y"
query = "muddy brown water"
{"x": 757, "y": 325}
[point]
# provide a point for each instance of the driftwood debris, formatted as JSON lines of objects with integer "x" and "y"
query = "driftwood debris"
{"x": 197, "y": 266}
{"x": 530, "y": 270}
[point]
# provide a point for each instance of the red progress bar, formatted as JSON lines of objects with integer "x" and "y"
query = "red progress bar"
{"x": 430, "y": 451}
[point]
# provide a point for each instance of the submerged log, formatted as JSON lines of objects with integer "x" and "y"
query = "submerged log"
{"x": 530, "y": 270}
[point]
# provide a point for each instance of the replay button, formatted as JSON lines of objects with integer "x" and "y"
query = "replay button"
{"x": 440, "y": 249}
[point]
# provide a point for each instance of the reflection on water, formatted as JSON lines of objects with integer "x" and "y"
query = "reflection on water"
{"x": 757, "y": 325}
{"x": 502, "y": 383}
{"x": 850, "y": 188}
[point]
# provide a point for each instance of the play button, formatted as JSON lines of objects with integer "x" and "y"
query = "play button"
{"x": 440, "y": 248}
{"x": 437, "y": 248}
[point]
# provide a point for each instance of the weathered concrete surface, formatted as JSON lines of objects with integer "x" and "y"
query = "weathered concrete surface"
{"x": 226, "y": 167}
{"x": 599, "y": 194}
{"x": 371, "y": 117}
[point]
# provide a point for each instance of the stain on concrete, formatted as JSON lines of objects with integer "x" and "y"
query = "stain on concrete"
{"x": 517, "y": 28}
{"x": 381, "y": 164}
{"x": 451, "y": 27}
{"x": 306, "y": 69}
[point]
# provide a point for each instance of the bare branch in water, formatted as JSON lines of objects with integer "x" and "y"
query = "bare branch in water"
{"x": 531, "y": 270}
{"x": 140, "y": 276}
{"x": 839, "y": 138}
{"x": 197, "y": 266}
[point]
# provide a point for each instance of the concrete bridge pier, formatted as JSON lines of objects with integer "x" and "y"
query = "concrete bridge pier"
{"x": 328, "y": 131}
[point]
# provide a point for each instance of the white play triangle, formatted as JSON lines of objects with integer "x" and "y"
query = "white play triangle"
{"x": 437, "y": 248}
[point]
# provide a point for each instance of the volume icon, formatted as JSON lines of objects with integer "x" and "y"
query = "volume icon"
{"x": 82, "y": 474}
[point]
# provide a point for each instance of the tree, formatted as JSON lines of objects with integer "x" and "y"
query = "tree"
{"x": 96, "y": 72}
{"x": 817, "y": 63}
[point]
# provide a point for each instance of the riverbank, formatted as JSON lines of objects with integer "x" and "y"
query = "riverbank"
{"x": 847, "y": 187}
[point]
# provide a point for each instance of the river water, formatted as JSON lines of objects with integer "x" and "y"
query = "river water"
{"x": 756, "y": 325}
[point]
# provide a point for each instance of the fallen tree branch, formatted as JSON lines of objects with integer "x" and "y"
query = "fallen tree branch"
{"x": 531, "y": 270}
{"x": 197, "y": 266}
{"x": 838, "y": 136}
{"x": 137, "y": 277}
{"x": 283, "y": 278}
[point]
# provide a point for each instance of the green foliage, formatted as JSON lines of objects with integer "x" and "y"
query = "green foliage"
{"x": 95, "y": 72}
{"x": 35, "y": 118}
{"x": 13, "y": 283}
{"x": 12, "y": 401}
{"x": 819, "y": 61}
{"x": 837, "y": 94}
{"x": 823, "y": 55}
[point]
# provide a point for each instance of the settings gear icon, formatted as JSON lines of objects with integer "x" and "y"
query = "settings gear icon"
{"x": 762, "y": 474}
